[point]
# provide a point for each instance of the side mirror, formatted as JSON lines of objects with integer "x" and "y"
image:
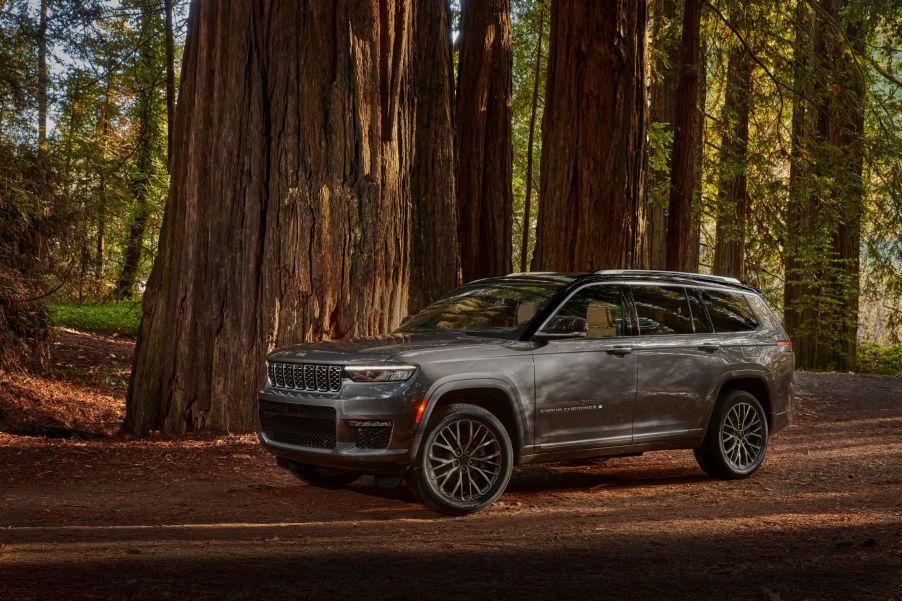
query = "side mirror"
{"x": 562, "y": 327}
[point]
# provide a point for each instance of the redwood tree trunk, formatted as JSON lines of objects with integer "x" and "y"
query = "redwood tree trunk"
{"x": 732, "y": 197}
{"x": 680, "y": 230}
{"x": 434, "y": 258}
{"x": 800, "y": 290}
{"x": 593, "y": 136}
{"x": 288, "y": 217}
{"x": 170, "y": 78}
{"x": 662, "y": 108}
{"x": 530, "y": 144}
{"x": 484, "y": 145}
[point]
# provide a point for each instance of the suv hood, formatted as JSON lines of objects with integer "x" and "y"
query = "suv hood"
{"x": 378, "y": 349}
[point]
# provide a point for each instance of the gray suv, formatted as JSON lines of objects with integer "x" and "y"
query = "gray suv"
{"x": 535, "y": 367}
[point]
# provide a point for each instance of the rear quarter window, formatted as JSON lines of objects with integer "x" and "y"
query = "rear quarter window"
{"x": 730, "y": 312}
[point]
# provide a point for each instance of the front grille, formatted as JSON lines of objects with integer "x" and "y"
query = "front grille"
{"x": 316, "y": 440}
{"x": 304, "y": 376}
{"x": 309, "y": 411}
{"x": 373, "y": 437}
{"x": 298, "y": 425}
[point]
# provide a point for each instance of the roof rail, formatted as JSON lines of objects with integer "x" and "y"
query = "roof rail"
{"x": 699, "y": 277}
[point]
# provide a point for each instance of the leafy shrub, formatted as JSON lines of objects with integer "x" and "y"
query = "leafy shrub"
{"x": 876, "y": 359}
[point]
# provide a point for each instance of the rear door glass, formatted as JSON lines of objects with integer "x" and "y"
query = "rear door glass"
{"x": 662, "y": 310}
{"x": 729, "y": 312}
{"x": 699, "y": 319}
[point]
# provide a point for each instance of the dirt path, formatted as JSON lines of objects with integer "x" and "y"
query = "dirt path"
{"x": 213, "y": 518}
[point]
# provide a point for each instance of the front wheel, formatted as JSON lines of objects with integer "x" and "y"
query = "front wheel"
{"x": 737, "y": 437}
{"x": 464, "y": 463}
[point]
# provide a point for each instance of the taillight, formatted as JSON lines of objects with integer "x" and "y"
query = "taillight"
{"x": 784, "y": 343}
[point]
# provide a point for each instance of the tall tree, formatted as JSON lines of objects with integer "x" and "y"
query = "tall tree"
{"x": 530, "y": 144}
{"x": 43, "y": 81}
{"x": 288, "y": 216}
{"x": 664, "y": 36}
{"x": 148, "y": 74}
{"x": 732, "y": 194}
{"x": 434, "y": 257}
{"x": 484, "y": 192}
{"x": 680, "y": 229}
{"x": 593, "y": 136}
{"x": 170, "y": 77}
{"x": 826, "y": 188}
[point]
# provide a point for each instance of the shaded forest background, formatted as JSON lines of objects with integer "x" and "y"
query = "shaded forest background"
{"x": 262, "y": 175}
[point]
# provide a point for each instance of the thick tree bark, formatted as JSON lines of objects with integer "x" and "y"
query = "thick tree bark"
{"x": 484, "y": 145}
{"x": 662, "y": 108}
{"x": 289, "y": 213}
{"x": 434, "y": 258}
{"x": 533, "y": 111}
{"x": 170, "y": 79}
{"x": 680, "y": 228}
{"x": 593, "y": 136}
{"x": 42, "y": 80}
{"x": 732, "y": 195}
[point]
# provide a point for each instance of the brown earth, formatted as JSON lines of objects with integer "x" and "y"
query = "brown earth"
{"x": 101, "y": 516}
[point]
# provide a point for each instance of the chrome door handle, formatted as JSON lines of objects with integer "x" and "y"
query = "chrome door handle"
{"x": 709, "y": 347}
{"x": 619, "y": 350}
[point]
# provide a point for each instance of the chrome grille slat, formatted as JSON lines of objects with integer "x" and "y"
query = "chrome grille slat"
{"x": 311, "y": 377}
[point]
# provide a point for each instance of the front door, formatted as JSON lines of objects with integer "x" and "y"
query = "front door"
{"x": 586, "y": 386}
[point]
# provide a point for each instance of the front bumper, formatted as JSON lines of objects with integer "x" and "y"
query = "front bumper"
{"x": 325, "y": 429}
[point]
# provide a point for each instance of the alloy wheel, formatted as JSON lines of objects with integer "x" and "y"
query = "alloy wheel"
{"x": 464, "y": 461}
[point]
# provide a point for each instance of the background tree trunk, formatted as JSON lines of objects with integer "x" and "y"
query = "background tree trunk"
{"x": 484, "y": 152}
{"x": 593, "y": 136}
{"x": 662, "y": 108}
{"x": 434, "y": 258}
{"x": 533, "y": 110}
{"x": 680, "y": 229}
{"x": 288, "y": 216}
{"x": 732, "y": 196}
{"x": 800, "y": 289}
{"x": 146, "y": 75}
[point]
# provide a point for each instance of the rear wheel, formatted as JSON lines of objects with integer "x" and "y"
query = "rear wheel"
{"x": 320, "y": 476}
{"x": 737, "y": 437}
{"x": 464, "y": 463}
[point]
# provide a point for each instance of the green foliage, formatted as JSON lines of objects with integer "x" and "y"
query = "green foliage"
{"x": 876, "y": 359}
{"x": 102, "y": 318}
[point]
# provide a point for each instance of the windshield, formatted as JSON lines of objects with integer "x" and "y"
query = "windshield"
{"x": 498, "y": 308}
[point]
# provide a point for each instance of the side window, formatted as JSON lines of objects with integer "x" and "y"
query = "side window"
{"x": 662, "y": 310}
{"x": 600, "y": 308}
{"x": 699, "y": 319}
{"x": 729, "y": 312}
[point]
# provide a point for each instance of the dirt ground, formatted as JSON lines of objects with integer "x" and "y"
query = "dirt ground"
{"x": 96, "y": 515}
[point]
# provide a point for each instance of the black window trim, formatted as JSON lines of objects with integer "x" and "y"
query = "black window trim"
{"x": 741, "y": 293}
{"x": 625, "y": 299}
{"x": 663, "y": 284}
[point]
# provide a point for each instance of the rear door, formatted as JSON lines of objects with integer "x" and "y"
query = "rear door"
{"x": 586, "y": 387}
{"x": 680, "y": 359}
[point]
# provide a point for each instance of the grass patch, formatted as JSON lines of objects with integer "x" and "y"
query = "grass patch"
{"x": 876, "y": 359}
{"x": 106, "y": 318}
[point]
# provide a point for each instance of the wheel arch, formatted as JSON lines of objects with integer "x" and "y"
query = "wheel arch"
{"x": 496, "y": 396}
{"x": 756, "y": 384}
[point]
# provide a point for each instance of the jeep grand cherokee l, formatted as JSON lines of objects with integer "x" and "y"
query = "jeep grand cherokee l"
{"x": 536, "y": 367}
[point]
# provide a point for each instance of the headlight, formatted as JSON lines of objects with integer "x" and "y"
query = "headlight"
{"x": 380, "y": 373}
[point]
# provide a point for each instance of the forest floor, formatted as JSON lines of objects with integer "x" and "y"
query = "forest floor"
{"x": 87, "y": 513}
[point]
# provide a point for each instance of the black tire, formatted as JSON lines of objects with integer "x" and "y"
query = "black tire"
{"x": 736, "y": 441}
{"x": 481, "y": 453}
{"x": 321, "y": 477}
